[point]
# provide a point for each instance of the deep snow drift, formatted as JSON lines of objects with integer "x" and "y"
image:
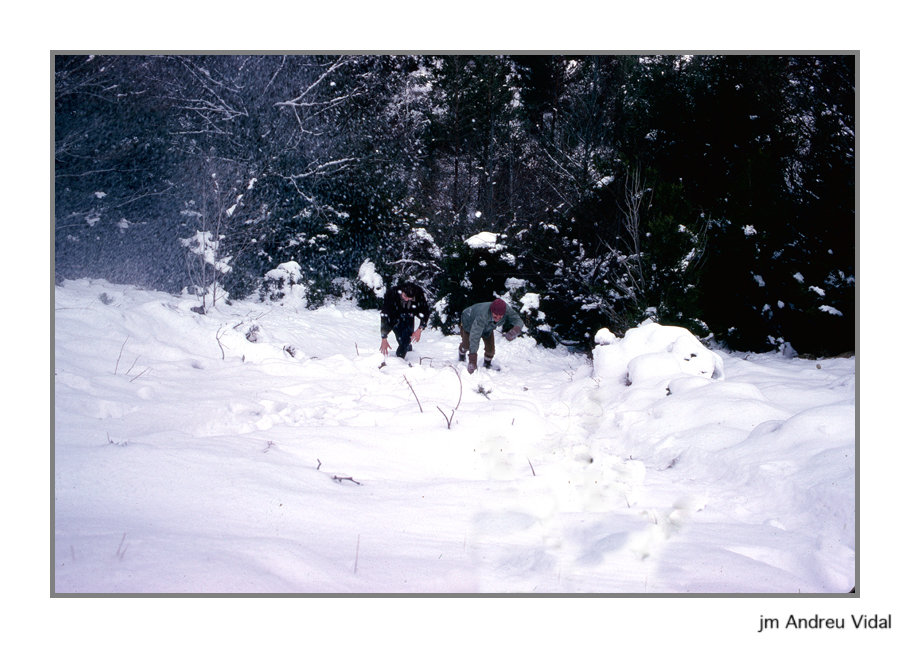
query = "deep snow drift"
{"x": 264, "y": 448}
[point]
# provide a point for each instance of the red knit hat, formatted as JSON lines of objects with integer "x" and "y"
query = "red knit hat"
{"x": 498, "y": 307}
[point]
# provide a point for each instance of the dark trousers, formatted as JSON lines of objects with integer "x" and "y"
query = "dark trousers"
{"x": 403, "y": 330}
{"x": 489, "y": 345}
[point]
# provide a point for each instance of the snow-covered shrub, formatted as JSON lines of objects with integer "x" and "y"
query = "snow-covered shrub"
{"x": 371, "y": 279}
{"x": 419, "y": 259}
{"x": 651, "y": 354}
{"x": 440, "y": 311}
{"x": 285, "y": 284}
{"x": 255, "y": 333}
{"x": 343, "y": 288}
{"x": 370, "y": 288}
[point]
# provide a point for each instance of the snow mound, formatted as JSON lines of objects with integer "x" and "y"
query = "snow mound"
{"x": 653, "y": 355}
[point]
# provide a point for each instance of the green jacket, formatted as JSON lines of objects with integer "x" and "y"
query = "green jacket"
{"x": 477, "y": 320}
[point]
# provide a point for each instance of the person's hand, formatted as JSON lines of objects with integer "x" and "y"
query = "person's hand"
{"x": 416, "y": 336}
{"x": 472, "y": 363}
{"x": 384, "y": 347}
{"x": 512, "y": 333}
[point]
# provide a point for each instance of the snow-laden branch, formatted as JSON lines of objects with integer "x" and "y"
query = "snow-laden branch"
{"x": 320, "y": 170}
{"x": 141, "y": 196}
{"x": 213, "y": 107}
{"x": 205, "y": 245}
{"x": 422, "y": 264}
{"x": 300, "y": 99}
{"x": 274, "y": 76}
{"x": 323, "y": 169}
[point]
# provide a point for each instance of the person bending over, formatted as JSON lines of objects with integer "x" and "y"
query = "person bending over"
{"x": 399, "y": 308}
{"x": 478, "y": 323}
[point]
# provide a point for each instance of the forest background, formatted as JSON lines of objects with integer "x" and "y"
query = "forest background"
{"x": 714, "y": 192}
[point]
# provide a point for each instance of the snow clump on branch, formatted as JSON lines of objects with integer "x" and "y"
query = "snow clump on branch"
{"x": 485, "y": 240}
{"x": 205, "y": 245}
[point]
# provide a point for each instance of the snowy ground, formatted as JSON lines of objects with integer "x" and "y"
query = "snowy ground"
{"x": 264, "y": 449}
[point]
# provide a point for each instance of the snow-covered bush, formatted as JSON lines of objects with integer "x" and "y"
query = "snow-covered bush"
{"x": 369, "y": 289}
{"x": 653, "y": 355}
{"x": 440, "y": 312}
{"x": 419, "y": 260}
{"x": 371, "y": 279}
{"x": 285, "y": 284}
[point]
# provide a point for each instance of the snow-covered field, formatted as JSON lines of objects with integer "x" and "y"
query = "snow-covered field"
{"x": 262, "y": 448}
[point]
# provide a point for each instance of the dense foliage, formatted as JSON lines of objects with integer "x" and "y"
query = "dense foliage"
{"x": 712, "y": 192}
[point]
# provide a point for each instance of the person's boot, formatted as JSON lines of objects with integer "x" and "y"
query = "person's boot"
{"x": 487, "y": 363}
{"x": 462, "y": 356}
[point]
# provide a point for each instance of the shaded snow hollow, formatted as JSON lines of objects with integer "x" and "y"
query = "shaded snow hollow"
{"x": 262, "y": 448}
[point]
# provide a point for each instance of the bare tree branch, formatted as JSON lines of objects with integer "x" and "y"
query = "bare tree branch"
{"x": 299, "y": 100}
{"x": 415, "y": 394}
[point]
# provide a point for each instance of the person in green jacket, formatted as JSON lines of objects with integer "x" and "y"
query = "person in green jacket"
{"x": 478, "y": 322}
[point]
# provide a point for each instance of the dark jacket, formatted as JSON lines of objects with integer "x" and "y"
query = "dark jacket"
{"x": 394, "y": 308}
{"x": 477, "y": 320}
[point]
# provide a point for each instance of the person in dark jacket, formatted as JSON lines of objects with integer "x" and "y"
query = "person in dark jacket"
{"x": 478, "y": 323}
{"x": 399, "y": 308}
